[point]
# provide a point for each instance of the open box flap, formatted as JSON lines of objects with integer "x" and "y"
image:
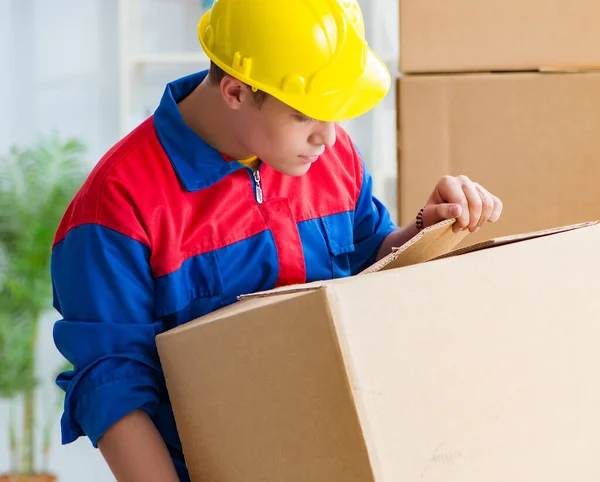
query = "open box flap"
{"x": 428, "y": 244}
{"x": 492, "y": 243}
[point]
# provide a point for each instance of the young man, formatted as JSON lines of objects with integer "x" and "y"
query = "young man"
{"x": 240, "y": 182}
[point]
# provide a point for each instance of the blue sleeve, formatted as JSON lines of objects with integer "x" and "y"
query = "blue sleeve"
{"x": 372, "y": 224}
{"x": 104, "y": 290}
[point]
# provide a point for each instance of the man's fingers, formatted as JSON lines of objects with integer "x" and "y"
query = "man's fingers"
{"x": 449, "y": 211}
{"x": 497, "y": 210}
{"x": 487, "y": 207}
{"x": 470, "y": 217}
{"x": 458, "y": 197}
{"x": 440, "y": 212}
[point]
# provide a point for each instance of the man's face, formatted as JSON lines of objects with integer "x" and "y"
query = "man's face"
{"x": 282, "y": 137}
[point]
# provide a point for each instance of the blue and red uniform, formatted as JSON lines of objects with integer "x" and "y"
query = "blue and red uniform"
{"x": 166, "y": 230}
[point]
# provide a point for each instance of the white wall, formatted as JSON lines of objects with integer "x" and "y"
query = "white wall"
{"x": 59, "y": 67}
{"x": 6, "y": 77}
{"x": 61, "y": 57}
{"x": 59, "y": 61}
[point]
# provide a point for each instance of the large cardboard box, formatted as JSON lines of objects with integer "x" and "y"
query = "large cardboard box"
{"x": 533, "y": 139}
{"x": 493, "y": 35}
{"x": 478, "y": 367}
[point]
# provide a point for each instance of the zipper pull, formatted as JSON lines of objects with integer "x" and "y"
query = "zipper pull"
{"x": 259, "y": 193}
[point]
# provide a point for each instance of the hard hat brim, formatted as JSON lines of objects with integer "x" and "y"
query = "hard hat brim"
{"x": 366, "y": 93}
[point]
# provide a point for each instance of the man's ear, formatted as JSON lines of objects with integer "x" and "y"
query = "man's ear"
{"x": 234, "y": 92}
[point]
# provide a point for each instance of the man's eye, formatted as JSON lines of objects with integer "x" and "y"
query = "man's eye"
{"x": 302, "y": 118}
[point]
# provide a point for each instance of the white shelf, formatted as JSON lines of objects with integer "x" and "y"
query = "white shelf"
{"x": 134, "y": 60}
{"x": 171, "y": 58}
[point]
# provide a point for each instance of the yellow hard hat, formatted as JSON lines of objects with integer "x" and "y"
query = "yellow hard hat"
{"x": 310, "y": 54}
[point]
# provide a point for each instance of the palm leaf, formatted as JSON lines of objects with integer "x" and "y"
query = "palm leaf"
{"x": 36, "y": 186}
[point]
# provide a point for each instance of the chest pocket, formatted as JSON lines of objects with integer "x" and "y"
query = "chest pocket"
{"x": 339, "y": 236}
{"x": 196, "y": 288}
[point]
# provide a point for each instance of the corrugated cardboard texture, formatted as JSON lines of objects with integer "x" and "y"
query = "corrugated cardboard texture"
{"x": 532, "y": 139}
{"x": 491, "y": 35}
{"x": 429, "y": 243}
{"x": 482, "y": 367}
{"x": 260, "y": 393}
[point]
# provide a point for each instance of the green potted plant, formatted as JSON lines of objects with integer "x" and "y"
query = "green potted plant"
{"x": 36, "y": 186}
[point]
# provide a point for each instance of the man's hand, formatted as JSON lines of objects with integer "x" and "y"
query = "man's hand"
{"x": 459, "y": 197}
{"x": 453, "y": 197}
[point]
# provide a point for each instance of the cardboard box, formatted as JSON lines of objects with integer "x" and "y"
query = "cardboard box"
{"x": 496, "y": 35}
{"x": 532, "y": 139}
{"x": 479, "y": 367}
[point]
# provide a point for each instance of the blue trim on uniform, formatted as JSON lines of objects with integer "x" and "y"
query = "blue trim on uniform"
{"x": 99, "y": 266}
{"x": 314, "y": 246}
{"x": 105, "y": 292}
{"x": 215, "y": 279}
{"x": 372, "y": 224}
{"x": 201, "y": 277}
{"x": 327, "y": 243}
{"x": 258, "y": 271}
{"x": 196, "y": 163}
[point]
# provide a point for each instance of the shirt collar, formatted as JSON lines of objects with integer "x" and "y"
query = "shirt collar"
{"x": 196, "y": 163}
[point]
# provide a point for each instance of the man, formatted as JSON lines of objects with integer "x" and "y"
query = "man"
{"x": 240, "y": 182}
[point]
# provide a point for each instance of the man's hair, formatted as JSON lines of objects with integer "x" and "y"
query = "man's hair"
{"x": 216, "y": 74}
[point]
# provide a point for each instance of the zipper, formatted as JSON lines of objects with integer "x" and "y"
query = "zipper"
{"x": 257, "y": 188}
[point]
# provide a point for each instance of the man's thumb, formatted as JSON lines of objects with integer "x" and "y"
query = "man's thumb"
{"x": 441, "y": 212}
